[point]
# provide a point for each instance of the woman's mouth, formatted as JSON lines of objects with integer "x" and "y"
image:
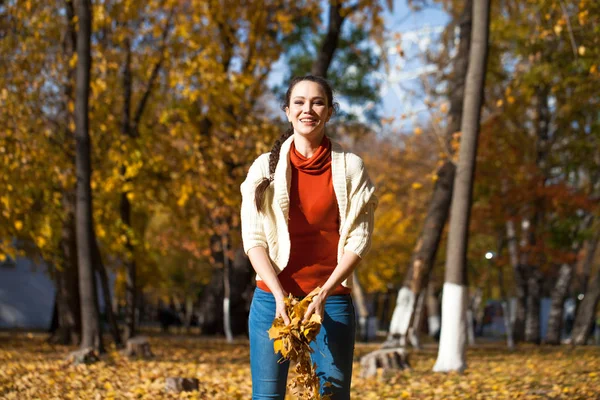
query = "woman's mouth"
{"x": 308, "y": 121}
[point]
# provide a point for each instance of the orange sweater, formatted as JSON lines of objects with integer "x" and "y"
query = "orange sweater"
{"x": 314, "y": 224}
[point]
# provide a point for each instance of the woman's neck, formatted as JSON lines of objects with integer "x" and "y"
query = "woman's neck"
{"x": 307, "y": 146}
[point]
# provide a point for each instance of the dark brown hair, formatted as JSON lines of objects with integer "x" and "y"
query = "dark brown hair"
{"x": 263, "y": 185}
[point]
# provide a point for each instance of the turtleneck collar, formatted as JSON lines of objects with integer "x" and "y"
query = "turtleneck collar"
{"x": 318, "y": 163}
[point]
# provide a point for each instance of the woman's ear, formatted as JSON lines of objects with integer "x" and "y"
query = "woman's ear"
{"x": 329, "y": 114}
{"x": 287, "y": 113}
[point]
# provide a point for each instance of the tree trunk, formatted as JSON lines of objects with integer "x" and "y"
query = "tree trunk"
{"x": 433, "y": 311}
{"x": 532, "y": 321}
{"x": 189, "y": 312}
{"x": 584, "y": 320}
{"x": 211, "y": 303}
{"x": 226, "y": 289}
{"x": 108, "y": 309}
{"x": 520, "y": 283}
{"x": 589, "y": 250}
{"x": 130, "y": 272}
{"x": 451, "y": 354}
{"x": 330, "y": 43}
{"x": 358, "y": 298}
{"x": 425, "y": 250}
{"x": 125, "y": 205}
{"x": 415, "y": 329}
{"x": 91, "y": 327}
{"x": 586, "y": 312}
{"x": 559, "y": 294}
{"x": 66, "y": 278}
{"x": 505, "y": 309}
{"x": 473, "y": 315}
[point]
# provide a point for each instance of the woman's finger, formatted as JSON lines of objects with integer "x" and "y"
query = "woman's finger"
{"x": 309, "y": 311}
{"x": 284, "y": 316}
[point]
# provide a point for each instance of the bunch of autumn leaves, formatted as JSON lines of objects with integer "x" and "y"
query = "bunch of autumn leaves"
{"x": 293, "y": 342}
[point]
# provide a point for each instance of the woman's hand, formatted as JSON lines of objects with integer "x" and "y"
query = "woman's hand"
{"x": 317, "y": 306}
{"x": 280, "y": 310}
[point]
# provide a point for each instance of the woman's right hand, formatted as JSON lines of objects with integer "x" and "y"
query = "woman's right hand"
{"x": 280, "y": 310}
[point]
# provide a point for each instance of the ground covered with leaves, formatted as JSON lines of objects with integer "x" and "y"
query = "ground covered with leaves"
{"x": 32, "y": 369}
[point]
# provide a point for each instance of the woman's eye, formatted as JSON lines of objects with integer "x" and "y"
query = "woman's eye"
{"x": 298, "y": 102}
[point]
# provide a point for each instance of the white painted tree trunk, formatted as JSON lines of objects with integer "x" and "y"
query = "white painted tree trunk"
{"x": 451, "y": 353}
{"x": 402, "y": 312}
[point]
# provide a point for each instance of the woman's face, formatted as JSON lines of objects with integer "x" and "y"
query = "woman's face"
{"x": 308, "y": 109}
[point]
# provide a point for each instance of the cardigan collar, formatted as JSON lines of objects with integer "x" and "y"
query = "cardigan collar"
{"x": 283, "y": 178}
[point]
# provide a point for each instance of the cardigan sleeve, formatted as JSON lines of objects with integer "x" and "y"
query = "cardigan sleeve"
{"x": 359, "y": 237}
{"x": 362, "y": 205}
{"x": 253, "y": 234}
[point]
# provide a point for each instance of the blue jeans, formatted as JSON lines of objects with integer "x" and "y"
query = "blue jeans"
{"x": 333, "y": 348}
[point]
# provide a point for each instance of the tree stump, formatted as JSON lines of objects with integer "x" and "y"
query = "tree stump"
{"x": 83, "y": 356}
{"x": 178, "y": 384}
{"x": 389, "y": 360}
{"x": 138, "y": 346}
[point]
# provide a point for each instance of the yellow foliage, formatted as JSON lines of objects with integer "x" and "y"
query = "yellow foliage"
{"x": 293, "y": 342}
{"x": 32, "y": 368}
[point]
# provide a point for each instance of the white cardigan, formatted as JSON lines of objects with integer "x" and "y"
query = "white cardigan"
{"x": 269, "y": 229}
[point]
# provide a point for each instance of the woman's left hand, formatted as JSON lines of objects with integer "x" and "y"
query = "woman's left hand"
{"x": 317, "y": 306}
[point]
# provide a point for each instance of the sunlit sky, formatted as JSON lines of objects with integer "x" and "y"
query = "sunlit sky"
{"x": 401, "y": 92}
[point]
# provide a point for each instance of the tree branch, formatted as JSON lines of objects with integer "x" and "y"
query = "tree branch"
{"x": 153, "y": 76}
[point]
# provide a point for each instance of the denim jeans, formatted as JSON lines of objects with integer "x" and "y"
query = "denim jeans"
{"x": 333, "y": 348}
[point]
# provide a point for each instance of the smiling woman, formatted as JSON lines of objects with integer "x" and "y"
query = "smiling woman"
{"x": 307, "y": 218}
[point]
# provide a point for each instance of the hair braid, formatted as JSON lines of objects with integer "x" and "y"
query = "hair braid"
{"x": 261, "y": 188}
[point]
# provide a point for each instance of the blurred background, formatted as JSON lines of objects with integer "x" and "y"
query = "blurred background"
{"x": 185, "y": 94}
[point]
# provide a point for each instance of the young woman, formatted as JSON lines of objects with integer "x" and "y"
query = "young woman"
{"x": 307, "y": 218}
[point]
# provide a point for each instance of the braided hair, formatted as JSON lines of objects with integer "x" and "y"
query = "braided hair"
{"x": 264, "y": 184}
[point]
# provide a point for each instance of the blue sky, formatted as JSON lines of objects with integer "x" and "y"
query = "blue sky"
{"x": 419, "y": 32}
{"x": 401, "y": 92}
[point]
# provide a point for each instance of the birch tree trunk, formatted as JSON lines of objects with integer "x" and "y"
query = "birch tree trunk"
{"x": 559, "y": 294}
{"x": 91, "y": 327}
{"x": 451, "y": 354}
